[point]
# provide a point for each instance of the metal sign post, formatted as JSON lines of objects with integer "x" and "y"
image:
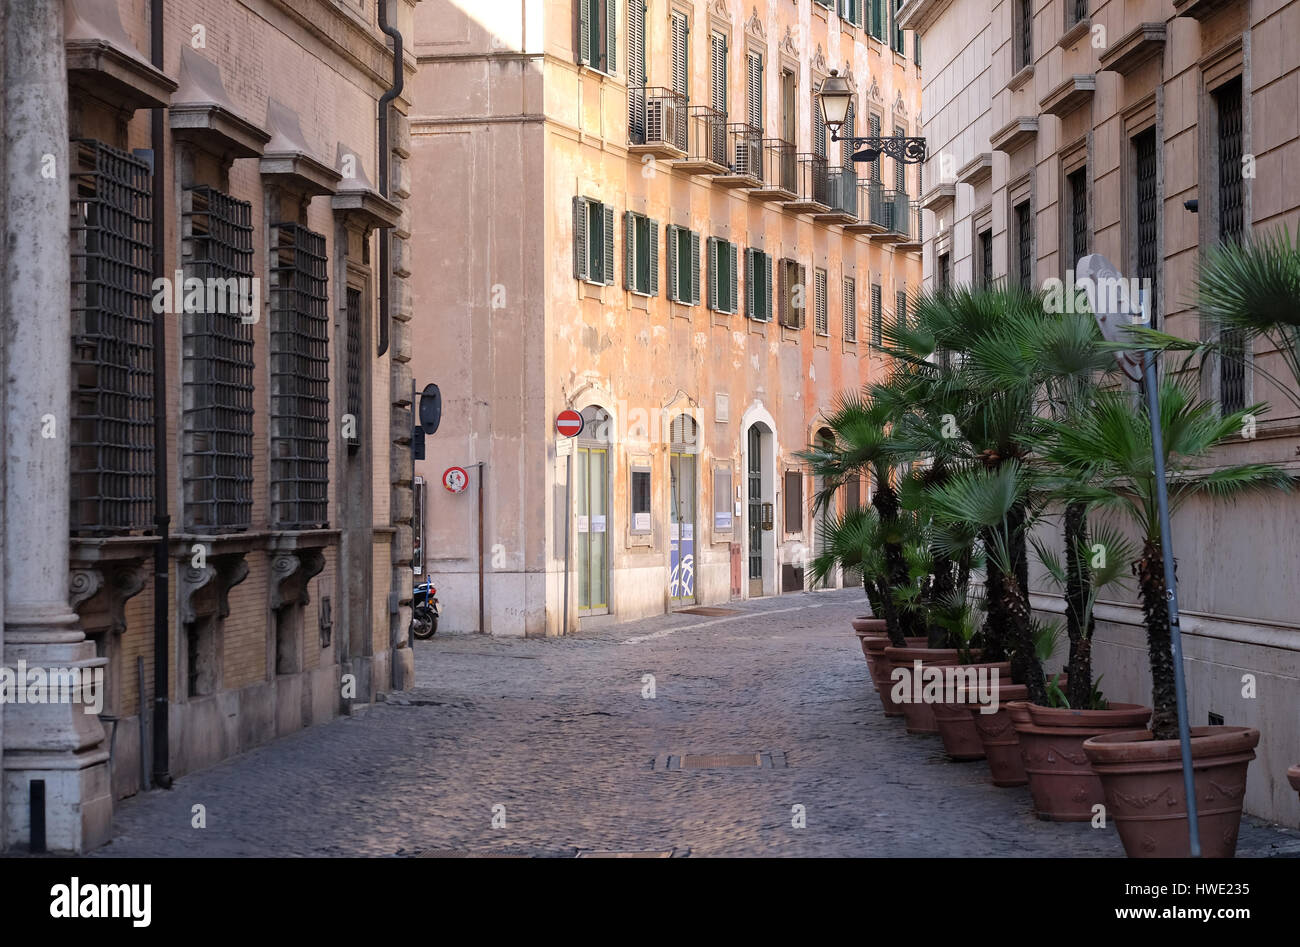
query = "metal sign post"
{"x": 1108, "y": 296}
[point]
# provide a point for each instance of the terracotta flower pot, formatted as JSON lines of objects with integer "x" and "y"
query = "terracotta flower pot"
{"x": 997, "y": 734}
{"x": 918, "y": 712}
{"x": 957, "y": 730}
{"x": 1061, "y": 780}
{"x": 1293, "y": 777}
{"x": 866, "y": 625}
{"x": 873, "y": 646}
{"x": 1143, "y": 782}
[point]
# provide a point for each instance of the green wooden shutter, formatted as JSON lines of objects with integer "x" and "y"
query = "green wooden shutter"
{"x": 670, "y": 237}
{"x": 750, "y": 308}
{"x": 695, "y": 269}
{"x": 580, "y": 270}
{"x": 611, "y": 36}
{"x": 679, "y": 70}
{"x": 819, "y": 128}
{"x": 629, "y": 251}
{"x": 875, "y": 133}
{"x": 733, "y": 304}
{"x": 713, "y": 273}
{"x": 755, "y": 89}
{"x": 719, "y": 66}
{"x": 609, "y": 244}
{"x": 636, "y": 64}
{"x": 767, "y": 287}
{"x": 653, "y": 245}
{"x": 584, "y": 32}
{"x": 857, "y": 13}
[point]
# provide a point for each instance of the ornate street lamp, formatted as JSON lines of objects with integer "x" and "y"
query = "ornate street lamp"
{"x": 834, "y": 97}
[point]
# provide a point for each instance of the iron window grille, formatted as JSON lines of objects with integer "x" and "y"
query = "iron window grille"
{"x": 112, "y": 434}
{"x": 1076, "y": 11}
{"x": 1078, "y": 215}
{"x": 299, "y": 378}
{"x": 1024, "y": 240}
{"x": 986, "y": 258}
{"x": 1232, "y": 368}
{"x": 1144, "y": 146}
{"x": 217, "y": 380}
{"x": 354, "y": 366}
{"x": 945, "y": 272}
{"x": 1026, "y": 37}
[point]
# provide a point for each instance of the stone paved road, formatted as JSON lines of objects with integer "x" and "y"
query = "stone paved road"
{"x": 557, "y": 732}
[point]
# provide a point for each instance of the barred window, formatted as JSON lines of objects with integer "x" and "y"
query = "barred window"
{"x": 112, "y": 435}
{"x": 986, "y": 258}
{"x": 1078, "y": 188}
{"x": 354, "y": 366}
{"x": 1232, "y": 368}
{"x": 299, "y": 378}
{"x": 1024, "y": 240}
{"x": 1148, "y": 210}
{"x": 217, "y": 379}
{"x": 850, "y": 309}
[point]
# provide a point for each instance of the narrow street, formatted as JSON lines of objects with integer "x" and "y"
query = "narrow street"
{"x": 558, "y": 733}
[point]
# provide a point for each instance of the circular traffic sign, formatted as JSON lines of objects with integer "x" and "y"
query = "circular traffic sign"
{"x": 455, "y": 479}
{"x": 569, "y": 423}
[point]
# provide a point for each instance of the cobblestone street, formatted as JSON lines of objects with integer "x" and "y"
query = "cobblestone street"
{"x": 558, "y": 733}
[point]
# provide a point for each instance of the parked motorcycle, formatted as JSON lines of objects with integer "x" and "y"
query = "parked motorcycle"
{"x": 425, "y": 610}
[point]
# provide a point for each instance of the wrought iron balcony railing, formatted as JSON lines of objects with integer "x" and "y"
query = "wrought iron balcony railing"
{"x": 780, "y": 167}
{"x": 839, "y": 192}
{"x": 811, "y": 185}
{"x": 706, "y": 141}
{"x": 658, "y": 119}
{"x": 745, "y": 152}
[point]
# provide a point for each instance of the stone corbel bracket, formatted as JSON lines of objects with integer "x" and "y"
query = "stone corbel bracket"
{"x": 223, "y": 572}
{"x": 99, "y": 592}
{"x": 291, "y": 574}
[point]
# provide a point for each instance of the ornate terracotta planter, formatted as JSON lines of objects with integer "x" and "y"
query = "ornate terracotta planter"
{"x": 866, "y": 625}
{"x": 918, "y": 713}
{"x": 1143, "y": 783}
{"x": 997, "y": 735}
{"x": 874, "y": 648}
{"x": 961, "y": 741}
{"x": 1061, "y": 780}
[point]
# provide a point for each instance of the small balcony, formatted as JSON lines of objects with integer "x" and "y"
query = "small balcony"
{"x": 890, "y": 209}
{"x": 910, "y": 220}
{"x": 780, "y": 172}
{"x": 706, "y": 142}
{"x": 744, "y": 157}
{"x": 840, "y": 196}
{"x": 657, "y": 122}
{"x": 871, "y": 213}
{"x": 811, "y": 186}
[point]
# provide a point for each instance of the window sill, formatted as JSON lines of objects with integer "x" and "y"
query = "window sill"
{"x": 721, "y": 318}
{"x": 790, "y": 334}
{"x": 757, "y": 328}
{"x": 822, "y": 340}
{"x": 850, "y": 347}
{"x": 638, "y": 300}
{"x": 1020, "y": 78}
{"x": 1075, "y": 33}
{"x": 681, "y": 310}
{"x": 590, "y": 290}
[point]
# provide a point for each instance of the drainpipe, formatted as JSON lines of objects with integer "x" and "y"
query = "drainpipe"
{"x": 385, "y": 160}
{"x": 161, "y": 564}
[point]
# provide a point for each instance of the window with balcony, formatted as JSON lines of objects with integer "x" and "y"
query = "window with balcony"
{"x": 683, "y": 265}
{"x": 758, "y": 285}
{"x": 637, "y": 75}
{"x": 850, "y": 302}
{"x": 597, "y": 34}
{"x": 593, "y": 241}
{"x": 112, "y": 430}
{"x": 791, "y": 279}
{"x": 641, "y": 249}
{"x": 723, "y": 295}
{"x": 900, "y": 169}
{"x": 877, "y": 316}
{"x": 217, "y": 370}
{"x": 299, "y": 378}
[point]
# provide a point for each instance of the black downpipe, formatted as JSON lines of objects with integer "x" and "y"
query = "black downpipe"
{"x": 162, "y": 520}
{"x": 385, "y": 159}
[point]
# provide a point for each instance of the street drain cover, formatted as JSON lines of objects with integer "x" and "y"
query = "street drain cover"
{"x": 768, "y": 759}
{"x": 461, "y": 853}
{"x": 592, "y": 853}
{"x": 707, "y": 610}
{"x": 721, "y": 759}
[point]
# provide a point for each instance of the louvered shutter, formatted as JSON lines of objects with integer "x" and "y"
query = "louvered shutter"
{"x": 611, "y": 35}
{"x": 584, "y": 32}
{"x": 801, "y": 280}
{"x": 847, "y": 133}
{"x": 653, "y": 244}
{"x": 629, "y": 251}
{"x": 875, "y": 133}
{"x": 857, "y": 13}
{"x": 784, "y": 304}
{"x": 750, "y": 307}
{"x": 755, "y": 87}
{"x": 900, "y": 169}
{"x": 636, "y": 63}
{"x": 695, "y": 269}
{"x": 819, "y": 301}
{"x": 719, "y": 66}
{"x": 671, "y": 239}
{"x": 850, "y": 310}
{"x": 679, "y": 70}
{"x": 767, "y": 288}
{"x": 713, "y": 273}
{"x": 580, "y": 256}
{"x": 733, "y": 303}
{"x": 609, "y": 244}
{"x": 819, "y": 128}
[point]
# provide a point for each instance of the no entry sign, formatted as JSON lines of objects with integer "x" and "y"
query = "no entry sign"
{"x": 569, "y": 423}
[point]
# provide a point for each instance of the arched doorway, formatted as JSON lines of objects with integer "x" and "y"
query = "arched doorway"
{"x": 760, "y": 535}
{"x": 824, "y": 440}
{"x": 591, "y": 511}
{"x": 683, "y": 467}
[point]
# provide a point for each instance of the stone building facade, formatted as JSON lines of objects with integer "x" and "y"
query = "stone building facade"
{"x": 658, "y": 234}
{"x": 1063, "y": 127}
{"x": 194, "y": 208}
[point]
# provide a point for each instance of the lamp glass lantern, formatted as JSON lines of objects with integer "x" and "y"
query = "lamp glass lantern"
{"x": 834, "y": 97}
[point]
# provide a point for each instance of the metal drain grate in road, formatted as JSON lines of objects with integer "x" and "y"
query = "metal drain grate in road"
{"x": 593, "y": 853}
{"x": 709, "y": 610}
{"x": 768, "y": 759}
{"x": 462, "y": 853}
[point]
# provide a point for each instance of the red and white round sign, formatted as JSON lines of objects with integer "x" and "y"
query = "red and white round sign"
{"x": 569, "y": 423}
{"x": 455, "y": 479}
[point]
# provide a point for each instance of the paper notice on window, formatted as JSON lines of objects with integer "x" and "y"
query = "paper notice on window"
{"x": 722, "y": 521}
{"x": 688, "y": 531}
{"x": 582, "y": 524}
{"x": 641, "y": 522}
{"x": 598, "y": 524}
